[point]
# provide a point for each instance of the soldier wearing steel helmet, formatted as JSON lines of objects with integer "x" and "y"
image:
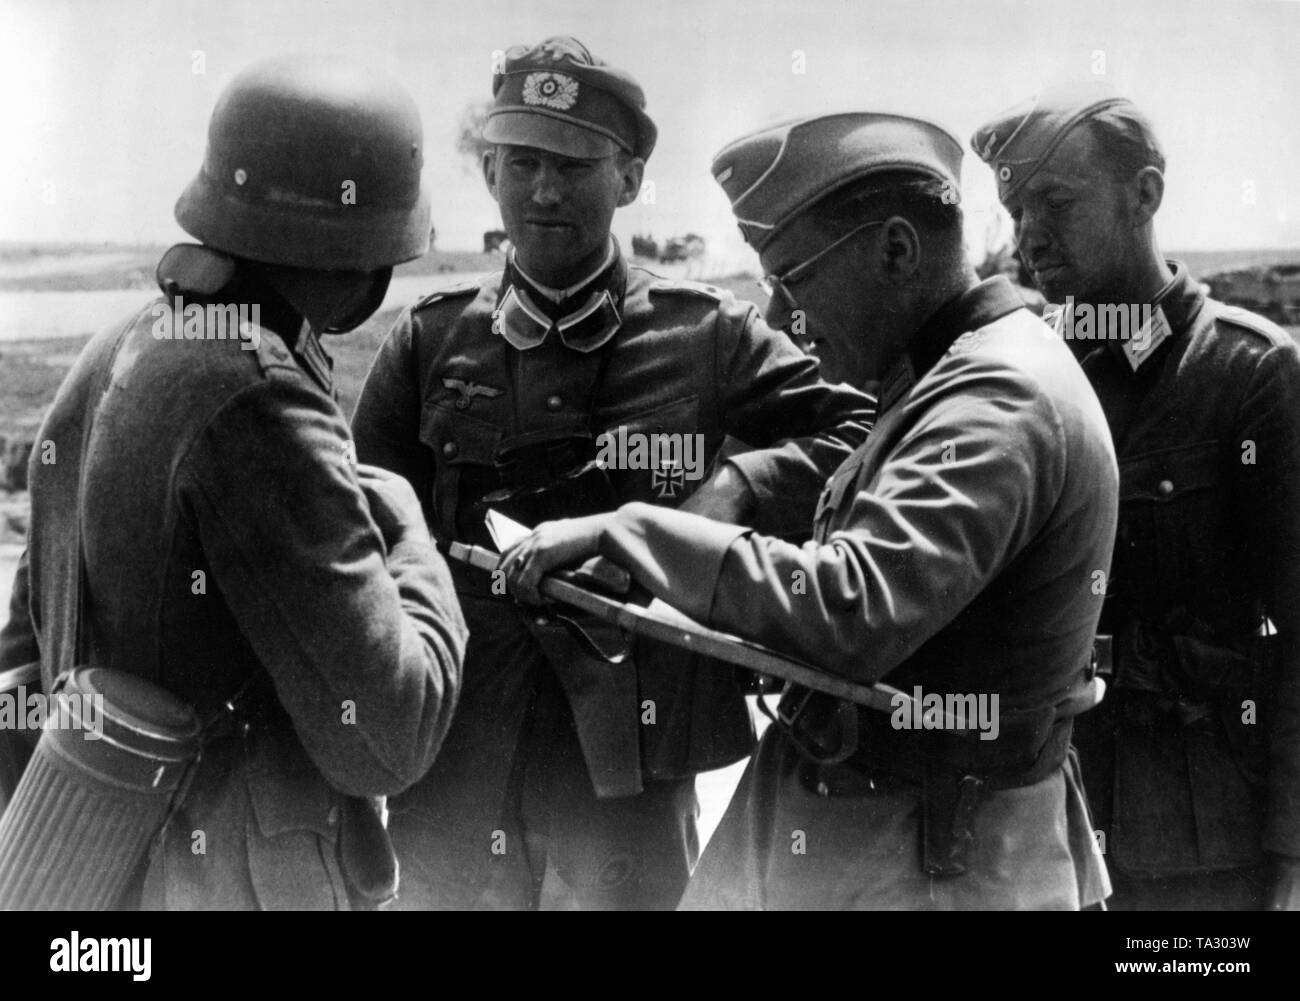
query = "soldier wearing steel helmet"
{"x": 234, "y": 553}
{"x": 568, "y": 781}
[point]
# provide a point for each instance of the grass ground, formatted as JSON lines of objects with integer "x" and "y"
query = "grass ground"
{"x": 30, "y": 373}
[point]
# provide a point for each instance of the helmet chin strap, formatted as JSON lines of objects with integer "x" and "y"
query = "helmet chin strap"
{"x": 332, "y": 302}
{"x": 365, "y": 307}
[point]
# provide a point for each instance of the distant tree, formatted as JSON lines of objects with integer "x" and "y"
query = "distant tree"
{"x": 469, "y": 139}
{"x": 645, "y": 246}
{"x": 683, "y": 248}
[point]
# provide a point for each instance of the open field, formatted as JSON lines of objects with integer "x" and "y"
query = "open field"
{"x": 91, "y": 266}
{"x": 53, "y": 299}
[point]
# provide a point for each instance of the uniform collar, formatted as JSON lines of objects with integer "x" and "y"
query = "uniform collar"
{"x": 977, "y": 307}
{"x": 557, "y": 294}
{"x": 1172, "y": 311}
{"x": 311, "y": 356}
{"x": 1181, "y": 298}
{"x": 585, "y": 316}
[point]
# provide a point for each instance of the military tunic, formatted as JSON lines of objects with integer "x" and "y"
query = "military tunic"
{"x": 226, "y": 538}
{"x": 443, "y": 394}
{"x": 1193, "y": 764}
{"x": 958, "y": 551}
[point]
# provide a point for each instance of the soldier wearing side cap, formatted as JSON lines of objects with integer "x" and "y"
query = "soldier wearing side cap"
{"x": 1193, "y": 762}
{"x": 952, "y": 552}
{"x": 568, "y": 778}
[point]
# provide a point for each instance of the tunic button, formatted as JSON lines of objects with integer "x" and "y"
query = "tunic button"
{"x": 554, "y": 403}
{"x": 823, "y": 789}
{"x": 449, "y": 449}
{"x": 462, "y": 403}
{"x": 333, "y": 817}
{"x": 1165, "y": 488}
{"x": 541, "y": 620}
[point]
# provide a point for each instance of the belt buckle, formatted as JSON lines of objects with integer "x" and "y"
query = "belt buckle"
{"x": 1102, "y": 664}
{"x": 806, "y": 744}
{"x": 801, "y": 704}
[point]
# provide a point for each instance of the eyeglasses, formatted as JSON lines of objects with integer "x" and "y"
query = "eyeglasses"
{"x": 774, "y": 285}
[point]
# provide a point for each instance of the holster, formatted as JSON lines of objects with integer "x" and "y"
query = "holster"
{"x": 953, "y": 781}
{"x": 604, "y": 704}
{"x": 366, "y": 853}
{"x": 952, "y": 771}
{"x": 948, "y": 804}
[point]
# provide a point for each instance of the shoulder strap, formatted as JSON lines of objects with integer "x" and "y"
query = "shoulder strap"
{"x": 71, "y": 640}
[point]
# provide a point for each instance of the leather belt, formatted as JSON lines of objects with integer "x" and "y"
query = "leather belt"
{"x": 888, "y": 758}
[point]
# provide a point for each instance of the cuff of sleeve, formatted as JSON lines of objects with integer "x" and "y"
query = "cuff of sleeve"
{"x": 678, "y": 557}
{"x": 774, "y": 514}
{"x": 750, "y": 467}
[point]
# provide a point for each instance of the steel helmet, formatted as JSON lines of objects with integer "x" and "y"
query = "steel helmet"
{"x": 312, "y": 162}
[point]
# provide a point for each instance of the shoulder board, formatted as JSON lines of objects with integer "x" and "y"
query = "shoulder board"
{"x": 450, "y": 292}
{"x": 1253, "y": 322}
{"x": 272, "y": 352}
{"x": 687, "y": 287}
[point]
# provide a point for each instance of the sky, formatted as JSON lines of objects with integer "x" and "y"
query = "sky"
{"x": 105, "y": 111}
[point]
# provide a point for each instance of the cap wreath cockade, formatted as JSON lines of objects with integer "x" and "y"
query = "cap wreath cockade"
{"x": 551, "y": 90}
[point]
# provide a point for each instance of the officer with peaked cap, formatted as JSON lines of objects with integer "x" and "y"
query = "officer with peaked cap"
{"x": 951, "y": 555}
{"x": 568, "y": 777}
{"x": 1193, "y": 763}
{"x": 233, "y": 551}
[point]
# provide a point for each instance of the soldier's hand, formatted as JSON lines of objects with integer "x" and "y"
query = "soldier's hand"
{"x": 1284, "y": 893}
{"x": 603, "y": 576}
{"x": 724, "y": 496}
{"x": 393, "y": 504}
{"x": 551, "y": 544}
